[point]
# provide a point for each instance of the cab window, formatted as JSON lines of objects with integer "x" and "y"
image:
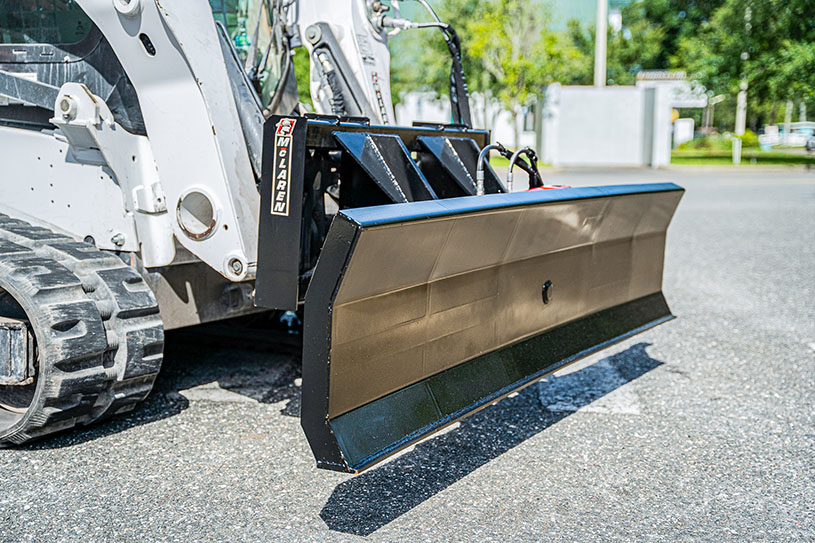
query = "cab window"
{"x": 249, "y": 20}
{"x": 56, "y": 22}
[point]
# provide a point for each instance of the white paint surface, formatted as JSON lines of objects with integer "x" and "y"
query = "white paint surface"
{"x": 610, "y": 126}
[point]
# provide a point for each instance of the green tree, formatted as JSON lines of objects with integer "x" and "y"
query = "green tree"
{"x": 670, "y": 20}
{"x": 518, "y": 53}
{"x": 638, "y": 46}
{"x": 302, "y": 73}
{"x": 796, "y": 73}
{"x": 509, "y": 54}
{"x": 649, "y": 37}
{"x": 769, "y": 43}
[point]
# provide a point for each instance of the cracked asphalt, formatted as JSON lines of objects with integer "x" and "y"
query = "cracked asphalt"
{"x": 702, "y": 429}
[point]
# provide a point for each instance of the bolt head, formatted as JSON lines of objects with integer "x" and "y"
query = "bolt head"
{"x": 313, "y": 34}
{"x": 128, "y": 8}
{"x": 67, "y": 106}
{"x": 236, "y": 266}
{"x": 118, "y": 239}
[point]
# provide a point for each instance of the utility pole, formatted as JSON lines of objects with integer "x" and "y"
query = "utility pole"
{"x": 741, "y": 121}
{"x": 787, "y": 122}
{"x": 802, "y": 111}
{"x": 741, "y": 103}
{"x": 601, "y": 44}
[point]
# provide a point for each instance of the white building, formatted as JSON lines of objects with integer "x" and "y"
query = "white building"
{"x": 584, "y": 126}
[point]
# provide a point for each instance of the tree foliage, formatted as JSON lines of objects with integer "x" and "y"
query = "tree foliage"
{"x": 517, "y": 54}
{"x": 649, "y": 37}
{"x": 509, "y": 52}
{"x": 639, "y": 46}
{"x": 670, "y": 21}
{"x": 766, "y": 42}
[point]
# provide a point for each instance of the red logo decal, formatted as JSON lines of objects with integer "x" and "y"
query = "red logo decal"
{"x": 285, "y": 127}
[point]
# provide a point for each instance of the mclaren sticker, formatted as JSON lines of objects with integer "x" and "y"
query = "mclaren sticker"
{"x": 281, "y": 180}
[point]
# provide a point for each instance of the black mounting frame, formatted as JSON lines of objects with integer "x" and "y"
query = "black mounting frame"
{"x": 357, "y": 165}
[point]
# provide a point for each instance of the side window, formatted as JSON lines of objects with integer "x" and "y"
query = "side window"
{"x": 242, "y": 19}
{"x": 56, "y": 22}
{"x": 249, "y": 20}
{"x": 226, "y": 12}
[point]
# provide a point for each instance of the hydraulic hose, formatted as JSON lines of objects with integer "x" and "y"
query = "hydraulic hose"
{"x": 337, "y": 98}
{"x": 479, "y": 169}
{"x": 459, "y": 94}
{"x": 280, "y": 87}
{"x": 531, "y": 169}
{"x": 284, "y": 78}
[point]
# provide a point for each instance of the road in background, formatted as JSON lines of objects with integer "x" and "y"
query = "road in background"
{"x": 701, "y": 429}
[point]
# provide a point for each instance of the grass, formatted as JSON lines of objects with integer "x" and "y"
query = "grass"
{"x": 498, "y": 161}
{"x": 716, "y": 157}
{"x": 699, "y": 157}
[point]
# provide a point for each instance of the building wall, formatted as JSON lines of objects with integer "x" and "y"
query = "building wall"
{"x": 610, "y": 126}
{"x": 580, "y": 126}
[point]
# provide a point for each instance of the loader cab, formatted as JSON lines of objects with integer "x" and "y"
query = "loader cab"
{"x": 36, "y": 35}
{"x": 53, "y": 42}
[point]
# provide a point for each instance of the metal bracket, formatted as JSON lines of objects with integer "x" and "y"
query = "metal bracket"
{"x": 385, "y": 161}
{"x": 88, "y": 124}
{"x": 450, "y": 166}
{"x": 16, "y": 353}
{"x": 325, "y": 44}
{"x": 280, "y": 227}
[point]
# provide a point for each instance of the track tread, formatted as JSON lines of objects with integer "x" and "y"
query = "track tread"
{"x": 97, "y": 324}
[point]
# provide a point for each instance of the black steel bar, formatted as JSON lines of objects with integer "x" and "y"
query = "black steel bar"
{"x": 321, "y": 133}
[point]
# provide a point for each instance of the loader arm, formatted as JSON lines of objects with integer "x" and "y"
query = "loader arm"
{"x": 172, "y": 54}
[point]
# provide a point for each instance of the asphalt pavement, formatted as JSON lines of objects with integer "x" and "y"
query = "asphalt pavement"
{"x": 702, "y": 429}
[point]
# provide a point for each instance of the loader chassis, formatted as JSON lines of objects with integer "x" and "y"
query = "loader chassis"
{"x": 151, "y": 183}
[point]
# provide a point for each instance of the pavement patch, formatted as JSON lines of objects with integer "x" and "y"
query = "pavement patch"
{"x": 602, "y": 387}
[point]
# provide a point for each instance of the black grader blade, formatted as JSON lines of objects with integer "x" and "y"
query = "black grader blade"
{"x": 428, "y": 303}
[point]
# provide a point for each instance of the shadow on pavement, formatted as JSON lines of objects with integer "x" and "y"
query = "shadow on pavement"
{"x": 367, "y": 502}
{"x": 247, "y": 358}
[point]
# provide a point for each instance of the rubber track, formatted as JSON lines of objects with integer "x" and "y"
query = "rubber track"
{"x": 99, "y": 334}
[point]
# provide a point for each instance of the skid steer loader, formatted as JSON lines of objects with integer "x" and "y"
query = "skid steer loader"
{"x": 159, "y": 172}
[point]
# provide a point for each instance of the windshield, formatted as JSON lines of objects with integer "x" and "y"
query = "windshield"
{"x": 56, "y": 22}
